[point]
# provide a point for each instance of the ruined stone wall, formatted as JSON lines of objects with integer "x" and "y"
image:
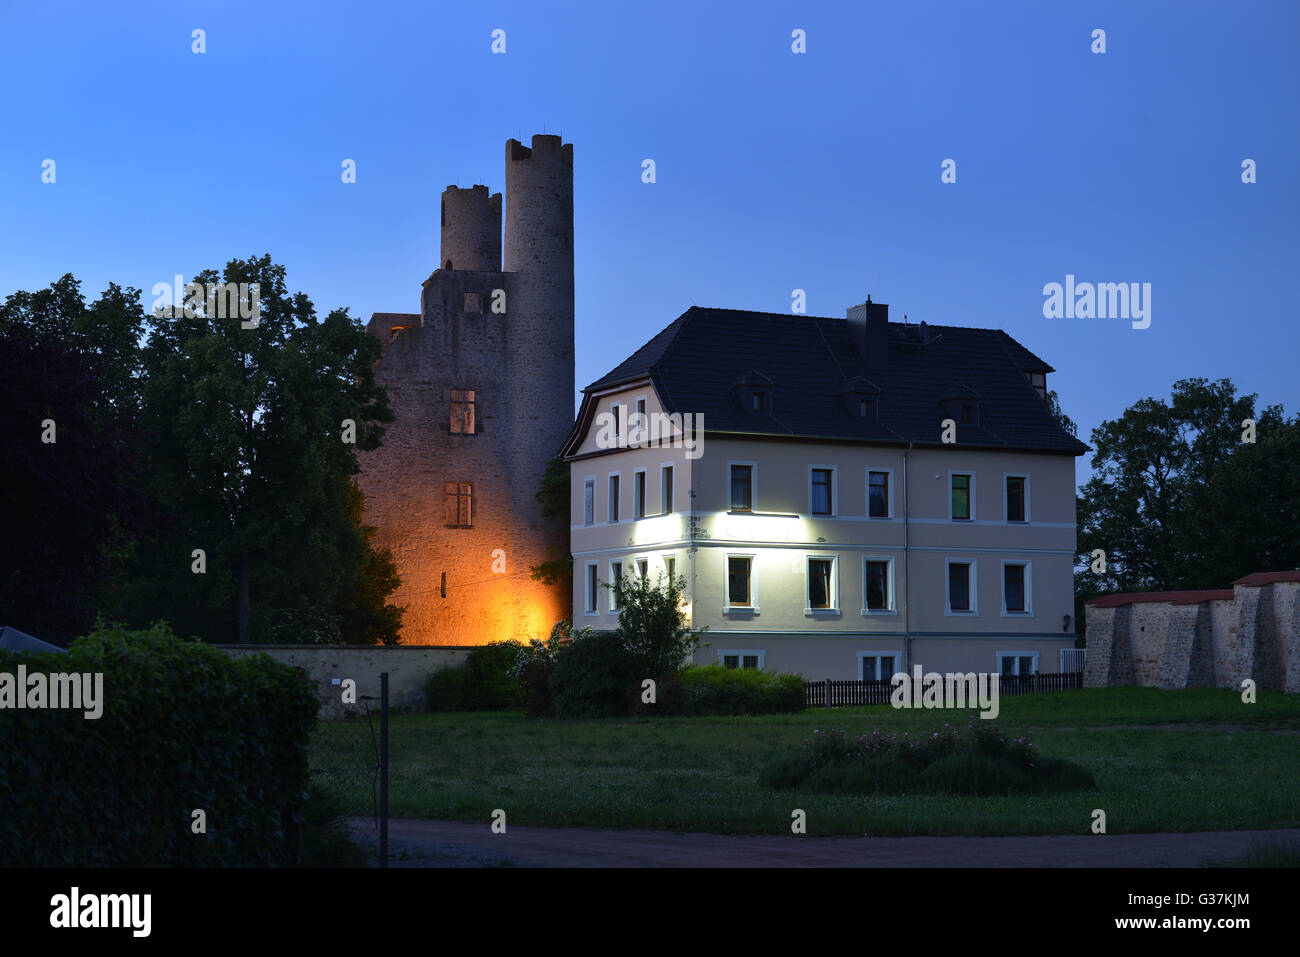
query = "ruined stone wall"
{"x": 1215, "y": 643}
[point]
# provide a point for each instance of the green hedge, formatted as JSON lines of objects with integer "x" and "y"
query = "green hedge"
{"x": 595, "y": 677}
{"x": 713, "y": 689}
{"x": 185, "y": 726}
{"x": 485, "y": 681}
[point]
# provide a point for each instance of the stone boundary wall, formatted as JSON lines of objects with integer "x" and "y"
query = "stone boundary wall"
{"x": 408, "y": 668}
{"x": 1183, "y": 640}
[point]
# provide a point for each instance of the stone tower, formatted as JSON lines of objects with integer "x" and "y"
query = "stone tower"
{"x": 482, "y": 384}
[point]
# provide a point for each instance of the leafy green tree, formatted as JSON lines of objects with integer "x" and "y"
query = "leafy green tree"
{"x": 553, "y": 497}
{"x": 251, "y": 461}
{"x": 1172, "y": 477}
{"x": 1058, "y": 413}
{"x": 653, "y": 625}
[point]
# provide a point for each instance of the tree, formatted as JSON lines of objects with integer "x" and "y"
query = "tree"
{"x": 1058, "y": 413}
{"x": 1172, "y": 477}
{"x": 652, "y": 624}
{"x": 553, "y": 496}
{"x": 70, "y": 488}
{"x": 252, "y": 461}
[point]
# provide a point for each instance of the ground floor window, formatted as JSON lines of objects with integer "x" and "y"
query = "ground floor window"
{"x": 741, "y": 659}
{"x": 877, "y": 667}
{"x": 1017, "y": 662}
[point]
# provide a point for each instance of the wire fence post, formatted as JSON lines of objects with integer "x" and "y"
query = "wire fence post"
{"x": 383, "y": 769}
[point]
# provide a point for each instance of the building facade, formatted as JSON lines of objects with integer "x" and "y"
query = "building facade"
{"x": 843, "y": 498}
{"x": 481, "y": 380}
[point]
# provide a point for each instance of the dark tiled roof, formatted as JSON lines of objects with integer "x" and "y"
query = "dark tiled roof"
{"x": 696, "y": 360}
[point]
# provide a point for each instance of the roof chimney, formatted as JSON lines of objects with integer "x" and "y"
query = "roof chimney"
{"x": 869, "y": 327}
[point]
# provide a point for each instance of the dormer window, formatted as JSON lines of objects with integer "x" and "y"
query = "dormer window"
{"x": 753, "y": 391}
{"x": 859, "y": 398}
{"x": 960, "y": 403}
{"x": 1039, "y": 381}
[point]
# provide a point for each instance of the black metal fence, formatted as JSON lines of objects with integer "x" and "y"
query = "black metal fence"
{"x": 837, "y": 694}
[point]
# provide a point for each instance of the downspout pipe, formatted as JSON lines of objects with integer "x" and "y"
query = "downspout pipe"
{"x": 907, "y": 571}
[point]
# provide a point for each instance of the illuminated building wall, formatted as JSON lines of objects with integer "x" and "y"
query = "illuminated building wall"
{"x": 481, "y": 380}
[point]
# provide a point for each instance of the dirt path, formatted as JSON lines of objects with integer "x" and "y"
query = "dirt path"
{"x": 415, "y": 843}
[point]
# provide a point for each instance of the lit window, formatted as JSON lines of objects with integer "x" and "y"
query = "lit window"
{"x": 462, "y": 412}
{"x": 961, "y": 496}
{"x": 458, "y": 499}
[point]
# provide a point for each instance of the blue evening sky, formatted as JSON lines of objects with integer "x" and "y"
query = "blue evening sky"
{"x": 776, "y": 171}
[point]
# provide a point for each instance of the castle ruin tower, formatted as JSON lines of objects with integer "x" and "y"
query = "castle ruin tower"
{"x": 539, "y": 254}
{"x": 481, "y": 382}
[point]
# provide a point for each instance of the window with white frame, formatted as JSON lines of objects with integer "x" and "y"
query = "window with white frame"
{"x": 670, "y": 570}
{"x": 643, "y": 568}
{"x": 641, "y": 428}
{"x": 879, "y": 493}
{"x": 740, "y": 583}
{"x": 1016, "y": 488}
{"x": 589, "y": 501}
{"x": 1016, "y": 589}
{"x": 962, "y": 498}
{"x": 878, "y": 585}
{"x": 638, "y": 493}
{"x": 666, "y": 489}
{"x": 752, "y": 658}
{"x": 821, "y": 490}
{"x": 822, "y": 589}
{"x": 961, "y": 588}
{"x": 593, "y": 588}
{"x": 613, "y": 497}
{"x": 620, "y": 437}
{"x": 1017, "y": 662}
{"x": 878, "y": 665}
{"x": 615, "y": 578}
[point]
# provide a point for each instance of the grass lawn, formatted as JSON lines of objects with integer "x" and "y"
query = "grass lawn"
{"x": 1164, "y": 761}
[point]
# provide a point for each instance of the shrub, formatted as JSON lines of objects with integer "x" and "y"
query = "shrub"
{"x": 977, "y": 761}
{"x": 485, "y": 681}
{"x": 594, "y": 677}
{"x": 713, "y": 689}
{"x": 652, "y": 625}
{"x": 327, "y": 840}
{"x": 184, "y": 726}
